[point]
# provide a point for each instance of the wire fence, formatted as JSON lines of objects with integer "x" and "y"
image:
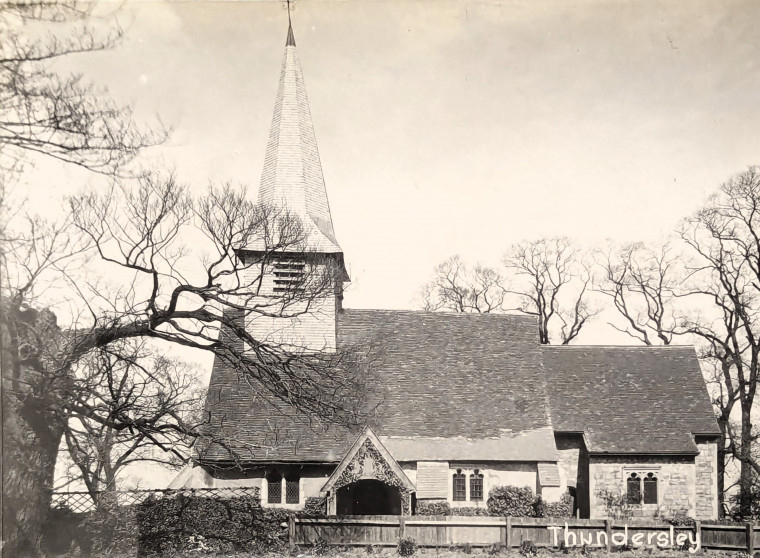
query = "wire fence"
{"x": 83, "y": 501}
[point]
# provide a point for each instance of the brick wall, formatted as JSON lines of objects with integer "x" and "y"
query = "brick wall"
{"x": 676, "y": 477}
{"x": 706, "y": 481}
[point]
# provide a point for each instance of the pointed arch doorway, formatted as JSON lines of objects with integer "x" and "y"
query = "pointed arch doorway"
{"x": 368, "y": 481}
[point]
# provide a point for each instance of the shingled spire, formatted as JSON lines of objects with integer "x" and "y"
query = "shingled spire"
{"x": 292, "y": 178}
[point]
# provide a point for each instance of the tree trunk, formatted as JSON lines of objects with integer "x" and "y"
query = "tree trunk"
{"x": 31, "y": 430}
{"x": 30, "y": 448}
{"x": 746, "y": 473}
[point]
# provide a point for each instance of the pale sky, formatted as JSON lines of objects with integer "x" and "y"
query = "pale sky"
{"x": 452, "y": 126}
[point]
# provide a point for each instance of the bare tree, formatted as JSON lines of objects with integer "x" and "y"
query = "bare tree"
{"x": 706, "y": 290}
{"x": 119, "y": 268}
{"x": 641, "y": 283}
{"x": 725, "y": 239}
{"x": 179, "y": 270}
{"x": 547, "y": 278}
{"x": 458, "y": 288}
{"x": 59, "y": 116}
{"x": 132, "y": 380}
{"x": 550, "y": 279}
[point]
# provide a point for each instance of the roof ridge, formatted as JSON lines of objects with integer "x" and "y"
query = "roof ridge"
{"x": 645, "y": 347}
{"x": 438, "y": 313}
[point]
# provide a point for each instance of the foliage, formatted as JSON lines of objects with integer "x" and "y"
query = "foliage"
{"x": 528, "y": 548}
{"x": 511, "y": 501}
{"x": 406, "y": 547}
{"x": 469, "y": 511}
{"x": 225, "y": 525}
{"x": 679, "y": 518}
{"x": 315, "y": 506}
{"x": 563, "y": 508}
{"x": 438, "y": 507}
{"x": 320, "y": 547}
{"x": 616, "y": 504}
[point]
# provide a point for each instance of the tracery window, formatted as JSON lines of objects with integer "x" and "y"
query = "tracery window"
{"x": 641, "y": 488}
{"x": 476, "y": 485}
{"x": 460, "y": 486}
{"x": 274, "y": 488}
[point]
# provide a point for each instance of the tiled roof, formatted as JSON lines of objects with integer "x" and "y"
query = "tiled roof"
{"x": 292, "y": 178}
{"x": 528, "y": 445}
{"x": 629, "y": 399}
{"x": 440, "y": 376}
{"x": 459, "y": 384}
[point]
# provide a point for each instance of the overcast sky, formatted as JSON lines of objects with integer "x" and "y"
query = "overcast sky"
{"x": 450, "y": 126}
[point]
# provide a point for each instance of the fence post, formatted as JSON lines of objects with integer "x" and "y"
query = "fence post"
{"x": 750, "y": 539}
{"x": 608, "y": 530}
{"x": 401, "y": 526}
{"x": 698, "y": 531}
{"x": 291, "y": 531}
{"x": 508, "y": 533}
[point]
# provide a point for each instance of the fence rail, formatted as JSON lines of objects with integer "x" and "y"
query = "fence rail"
{"x": 510, "y": 532}
{"x": 83, "y": 501}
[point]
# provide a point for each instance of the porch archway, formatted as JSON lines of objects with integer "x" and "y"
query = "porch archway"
{"x": 368, "y": 497}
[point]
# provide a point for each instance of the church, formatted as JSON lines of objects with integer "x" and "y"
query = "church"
{"x": 471, "y": 402}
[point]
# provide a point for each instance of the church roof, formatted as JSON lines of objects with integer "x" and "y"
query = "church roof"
{"x": 439, "y": 376}
{"x": 292, "y": 178}
{"x": 481, "y": 383}
{"x": 629, "y": 399}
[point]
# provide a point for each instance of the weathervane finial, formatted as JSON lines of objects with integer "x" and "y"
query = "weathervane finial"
{"x": 291, "y": 39}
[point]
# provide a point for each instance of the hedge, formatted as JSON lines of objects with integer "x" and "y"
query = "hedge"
{"x": 185, "y": 523}
{"x": 511, "y": 501}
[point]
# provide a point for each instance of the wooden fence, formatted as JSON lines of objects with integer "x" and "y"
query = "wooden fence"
{"x": 510, "y": 532}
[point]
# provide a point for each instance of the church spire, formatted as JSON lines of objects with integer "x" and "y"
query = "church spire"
{"x": 292, "y": 178}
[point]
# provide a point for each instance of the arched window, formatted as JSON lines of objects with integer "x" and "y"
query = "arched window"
{"x": 650, "y": 489}
{"x": 633, "y": 489}
{"x": 476, "y": 485}
{"x": 292, "y": 494}
{"x": 274, "y": 488}
{"x": 460, "y": 488}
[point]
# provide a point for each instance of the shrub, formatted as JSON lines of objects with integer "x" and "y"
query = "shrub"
{"x": 225, "y": 525}
{"x": 563, "y": 508}
{"x": 496, "y": 548}
{"x": 469, "y": 511}
{"x": 315, "y": 507}
{"x": 511, "y": 501}
{"x": 528, "y": 548}
{"x": 433, "y": 508}
{"x": 406, "y": 547}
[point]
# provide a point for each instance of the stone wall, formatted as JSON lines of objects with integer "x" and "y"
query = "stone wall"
{"x": 706, "y": 471}
{"x": 574, "y": 469}
{"x": 675, "y": 484}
